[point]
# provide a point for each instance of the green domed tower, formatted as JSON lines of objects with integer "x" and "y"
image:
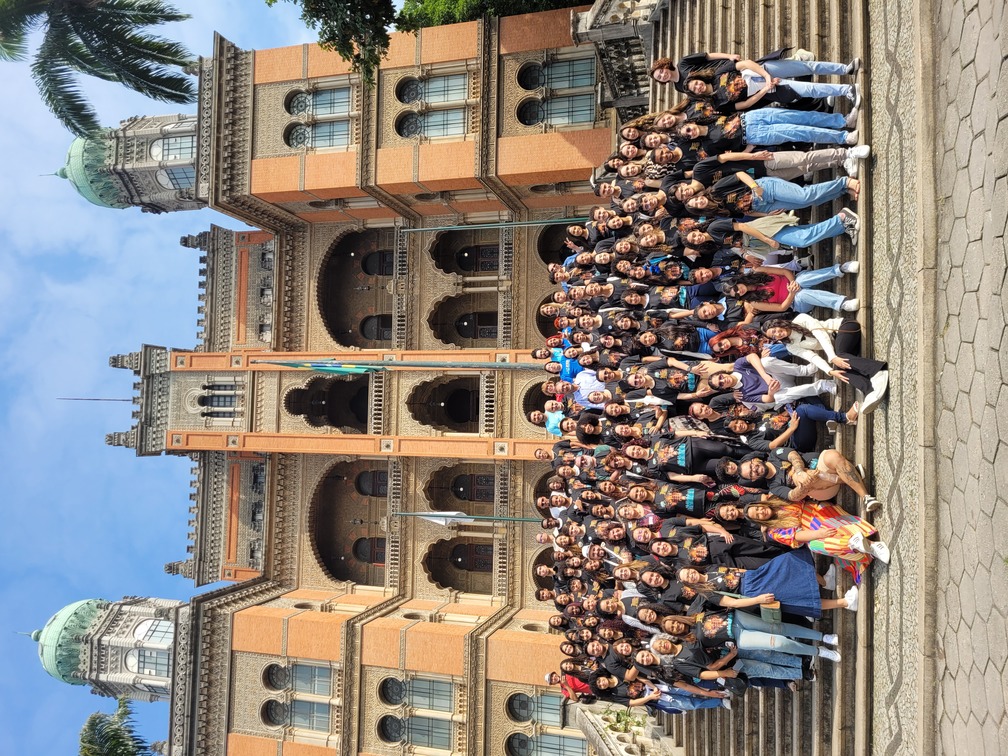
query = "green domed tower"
{"x": 122, "y": 648}
{"x": 148, "y": 162}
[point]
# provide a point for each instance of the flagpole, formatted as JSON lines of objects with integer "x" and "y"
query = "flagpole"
{"x": 502, "y": 224}
{"x": 468, "y": 516}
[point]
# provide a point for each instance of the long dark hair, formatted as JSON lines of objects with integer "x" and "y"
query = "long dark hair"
{"x": 754, "y": 283}
{"x": 785, "y": 323}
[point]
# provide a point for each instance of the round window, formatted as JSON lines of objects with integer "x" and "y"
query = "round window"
{"x": 299, "y": 136}
{"x": 300, "y": 103}
{"x": 410, "y": 125}
{"x": 409, "y": 90}
{"x": 274, "y": 713}
{"x": 531, "y": 112}
{"x": 520, "y": 708}
{"x": 276, "y": 677}
{"x": 391, "y": 729}
{"x": 531, "y": 76}
{"x": 392, "y": 691}
{"x": 520, "y": 744}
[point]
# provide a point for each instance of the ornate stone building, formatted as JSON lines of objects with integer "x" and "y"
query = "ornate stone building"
{"x": 349, "y": 627}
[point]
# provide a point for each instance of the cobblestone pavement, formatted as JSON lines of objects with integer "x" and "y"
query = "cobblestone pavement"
{"x": 949, "y": 533}
{"x": 971, "y": 148}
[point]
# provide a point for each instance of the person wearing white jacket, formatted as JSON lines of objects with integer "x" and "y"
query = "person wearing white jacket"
{"x": 833, "y": 346}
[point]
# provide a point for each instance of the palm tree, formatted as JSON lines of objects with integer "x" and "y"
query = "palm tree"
{"x": 112, "y": 734}
{"x": 101, "y": 38}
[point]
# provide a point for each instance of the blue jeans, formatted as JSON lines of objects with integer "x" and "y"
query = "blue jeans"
{"x": 810, "y": 297}
{"x": 806, "y": 88}
{"x": 769, "y": 126}
{"x": 753, "y": 633}
{"x": 806, "y": 236}
{"x": 771, "y": 665}
{"x": 790, "y": 69}
{"x": 779, "y": 194}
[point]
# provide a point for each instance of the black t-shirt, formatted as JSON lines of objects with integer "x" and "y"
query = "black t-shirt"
{"x": 726, "y": 134}
{"x": 687, "y": 65}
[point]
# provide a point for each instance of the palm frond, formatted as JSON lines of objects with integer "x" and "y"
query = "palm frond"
{"x": 137, "y": 13}
{"x": 17, "y": 19}
{"x": 112, "y": 735}
{"x": 62, "y": 95}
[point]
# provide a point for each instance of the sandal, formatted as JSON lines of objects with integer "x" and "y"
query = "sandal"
{"x": 854, "y": 188}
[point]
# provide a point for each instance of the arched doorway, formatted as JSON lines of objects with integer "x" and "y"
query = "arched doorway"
{"x": 332, "y": 402}
{"x": 467, "y": 253}
{"x": 463, "y": 563}
{"x": 550, "y": 245}
{"x": 450, "y": 404}
{"x": 344, "y": 522}
{"x": 533, "y": 399}
{"x": 466, "y": 320}
{"x": 466, "y": 487}
{"x": 350, "y": 290}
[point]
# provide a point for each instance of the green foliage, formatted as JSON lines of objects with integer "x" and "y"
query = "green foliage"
{"x": 100, "y": 38}
{"x": 112, "y": 734}
{"x": 357, "y": 30}
{"x": 417, "y": 14}
{"x": 624, "y": 719}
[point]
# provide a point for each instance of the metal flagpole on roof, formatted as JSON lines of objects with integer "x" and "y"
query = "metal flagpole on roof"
{"x": 461, "y": 518}
{"x": 503, "y": 224}
{"x": 370, "y": 366}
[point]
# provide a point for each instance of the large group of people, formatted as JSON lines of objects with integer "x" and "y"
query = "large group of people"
{"x": 696, "y": 367}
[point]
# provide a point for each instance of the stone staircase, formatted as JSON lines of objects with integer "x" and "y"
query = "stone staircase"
{"x": 822, "y": 718}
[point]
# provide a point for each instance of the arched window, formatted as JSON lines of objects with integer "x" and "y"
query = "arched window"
{"x": 434, "y": 90}
{"x": 370, "y": 550}
{"x": 372, "y": 483}
{"x": 473, "y": 487}
{"x": 569, "y": 97}
{"x": 433, "y": 124}
{"x": 425, "y": 732}
{"x": 420, "y": 693}
{"x": 473, "y": 557}
{"x": 484, "y": 258}
{"x": 378, "y": 263}
{"x": 171, "y": 149}
{"x": 519, "y": 744}
{"x": 151, "y": 662}
{"x": 320, "y": 135}
{"x": 177, "y": 177}
{"x": 477, "y": 325}
{"x": 155, "y": 631}
{"x": 377, "y": 327}
{"x": 330, "y": 112}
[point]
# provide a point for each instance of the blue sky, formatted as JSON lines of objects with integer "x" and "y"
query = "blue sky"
{"x": 80, "y": 283}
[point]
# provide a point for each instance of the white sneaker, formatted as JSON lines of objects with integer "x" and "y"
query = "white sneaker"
{"x": 851, "y": 305}
{"x": 851, "y": 220}
{"x": 871, "y": 503}
{"x": 880, "y": 383}
{"x": 852, "y": 138}
{"x": 851, "y": 166}
{"x": 831, "y": 639}
{"x": 852, "y": 598}
{"x": 852, "y": 266}
{"x": 855, "y": 96}
{"x": 860, "y": 152}
{"x": 856, "y": 543}
{"x": 851, "y": 120}
{"x": 726, "y": 703}
{"x": 830, "y": 654}
{"x": 826, "y": 386}
{"x": 829, "y": 579}
{"x": 880, "y": 551}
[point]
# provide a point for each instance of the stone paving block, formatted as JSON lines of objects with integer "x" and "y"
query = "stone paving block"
{"x": 969, "y": 313}
{"x": 965, "y": 368}
{"x": 994, "y": 689}
{"x": 991, "y": 741}
{"x": 967, "y": 41}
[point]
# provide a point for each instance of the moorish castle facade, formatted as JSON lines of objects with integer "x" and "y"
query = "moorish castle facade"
{"x": 411, "y": 221}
